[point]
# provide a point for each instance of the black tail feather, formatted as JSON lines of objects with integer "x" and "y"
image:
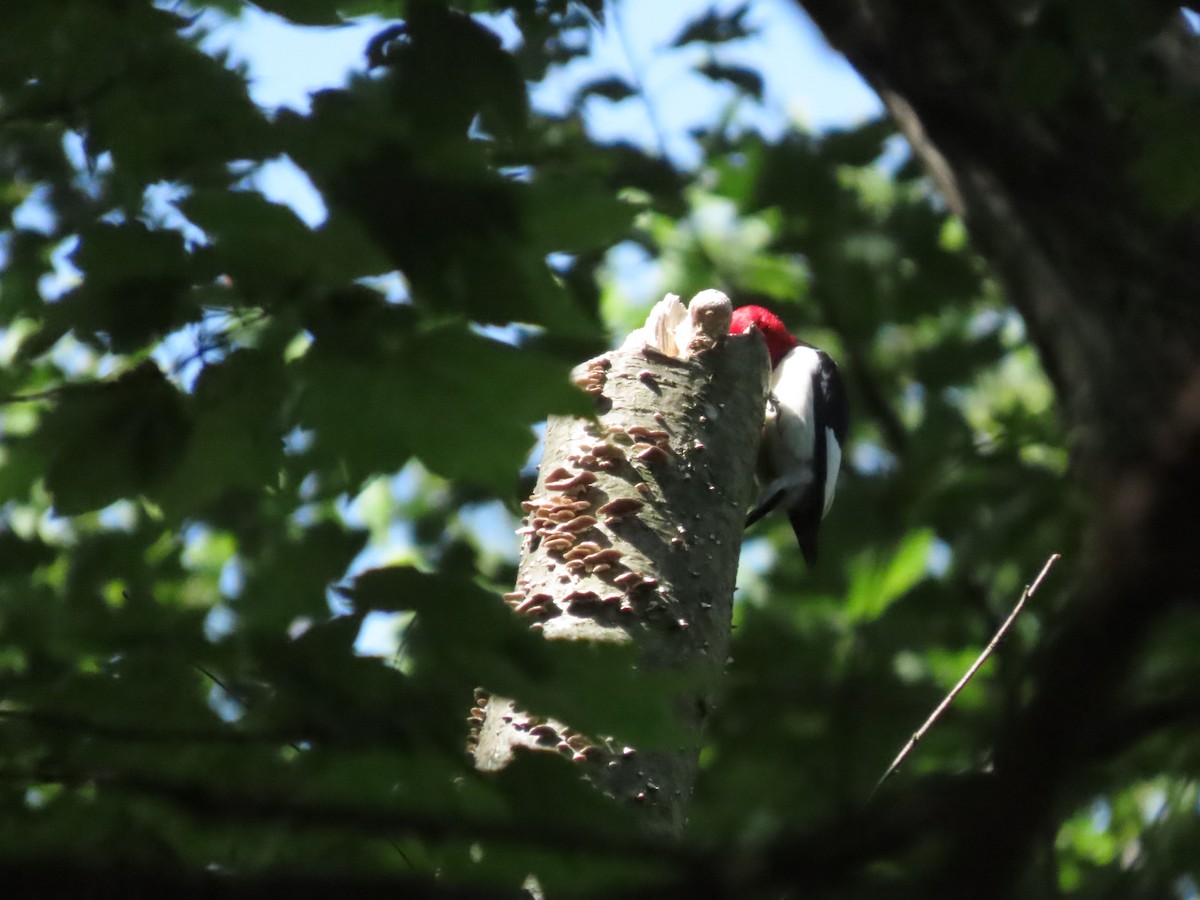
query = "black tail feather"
{"x": 806, "y": 535}
{"x": 805, "y": 519}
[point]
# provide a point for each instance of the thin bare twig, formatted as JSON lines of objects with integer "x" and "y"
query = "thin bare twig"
{"x": 1030, "y": 590}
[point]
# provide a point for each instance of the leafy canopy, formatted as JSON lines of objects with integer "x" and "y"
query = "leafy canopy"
{"x": 206, "y": 403}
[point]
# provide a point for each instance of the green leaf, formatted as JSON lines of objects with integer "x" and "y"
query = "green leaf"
{"x": 746, "y": 80}
{"x": 19, "y": 556}
{"x": 268, "y": 251}
{"x": 858, "y": 146}
{"x": 289, "y": 579}
{"x": 159, "y": 105}
{"x": 21, "y": 465}
{"x": 455, "y": 233}
{"x": 108, "y": 441}
{"x": 877, "y": 581}
{"x": 135, "y": 285}
{"x": 27, "y": 255}
{"x": 716, "y": 28}
{"x": 779, "y": 277}
{"x": 484, "y": 81}
{"x": 570, "y": 214}
{"x": 462, "y": 403}
{"x": 237, "y": 436}
{"x": 612, "y": 88}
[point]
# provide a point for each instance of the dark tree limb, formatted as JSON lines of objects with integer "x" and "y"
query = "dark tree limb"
{"x": 1056, "y": 183}
{"x": 68, "y": 876}
{"x": 1050, "y": 182}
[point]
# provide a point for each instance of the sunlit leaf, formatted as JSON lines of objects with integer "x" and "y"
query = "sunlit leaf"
{"x": 880, "y": 579}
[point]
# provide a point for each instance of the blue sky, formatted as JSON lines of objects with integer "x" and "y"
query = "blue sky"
{"x": 806, "y": 82}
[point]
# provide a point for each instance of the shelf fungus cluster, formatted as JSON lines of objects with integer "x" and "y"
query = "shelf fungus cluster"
{"x": 547, "y": 733}
{"x": 592, "y": 375}
{"x": 475, "y": 719}
{"x": 623, "y": 769}
{"x": 575, "y": 523}
{"x": 577, "y": 557}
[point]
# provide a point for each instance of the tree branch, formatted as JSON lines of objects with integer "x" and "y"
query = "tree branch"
{"x": 1030, "y": 590}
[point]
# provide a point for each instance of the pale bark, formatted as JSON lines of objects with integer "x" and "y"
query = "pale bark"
{"x": 633, "y": 535}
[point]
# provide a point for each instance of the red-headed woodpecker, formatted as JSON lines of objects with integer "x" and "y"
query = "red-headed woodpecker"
{"x": 804, "y": 429}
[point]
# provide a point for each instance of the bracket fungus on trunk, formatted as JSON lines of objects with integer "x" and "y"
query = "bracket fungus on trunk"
{"x": 633, "y": 532}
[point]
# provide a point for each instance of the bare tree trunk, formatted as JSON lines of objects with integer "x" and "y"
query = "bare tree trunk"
{"x": 633, "y": 535}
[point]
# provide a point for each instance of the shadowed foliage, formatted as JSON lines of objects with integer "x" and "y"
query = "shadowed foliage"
{"x": 235, "y": 444}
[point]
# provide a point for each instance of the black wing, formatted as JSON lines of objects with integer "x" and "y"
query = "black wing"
{"x": 831, "y": 397}
{"x": 829, "y": 412}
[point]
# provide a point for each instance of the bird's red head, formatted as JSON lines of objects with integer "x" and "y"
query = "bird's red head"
{"x": 774, "y": 332}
